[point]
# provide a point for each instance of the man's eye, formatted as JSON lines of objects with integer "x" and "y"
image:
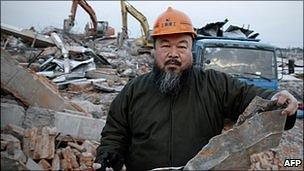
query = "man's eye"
{"x": 182, "y": 47}
{"x": 165, "y": 46}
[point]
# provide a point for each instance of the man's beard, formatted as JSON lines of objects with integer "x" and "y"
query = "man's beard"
{"x": 169, "y": 82}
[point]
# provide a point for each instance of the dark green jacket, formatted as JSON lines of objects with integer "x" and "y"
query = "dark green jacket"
{"x": 153, "y": 130}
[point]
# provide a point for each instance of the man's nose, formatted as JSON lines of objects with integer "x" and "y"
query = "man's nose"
{"x": 173, "y": 53}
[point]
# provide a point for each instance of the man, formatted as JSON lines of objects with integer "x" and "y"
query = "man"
{"x": 163, "y": 118}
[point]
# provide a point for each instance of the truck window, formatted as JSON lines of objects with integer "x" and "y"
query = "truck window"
{"x": 240, "y": 61}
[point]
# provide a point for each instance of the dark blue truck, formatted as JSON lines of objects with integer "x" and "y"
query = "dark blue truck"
{"x": 244, "y": 58}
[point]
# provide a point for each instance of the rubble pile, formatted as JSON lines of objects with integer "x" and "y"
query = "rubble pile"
{"x": 71, "y": 57}
{"x": 44, "y": 149}
{"x": 68, "y": 83}
{"x": 87, "y": 72}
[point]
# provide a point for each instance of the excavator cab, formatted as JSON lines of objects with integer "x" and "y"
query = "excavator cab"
{"x": 103, "y": 28}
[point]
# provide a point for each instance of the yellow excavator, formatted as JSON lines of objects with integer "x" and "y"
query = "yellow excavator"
{"x": 96, "y": 28}
{"x": 145, "y": 40}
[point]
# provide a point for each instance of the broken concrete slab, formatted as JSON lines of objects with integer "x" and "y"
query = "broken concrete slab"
{"x": 27, "y": 35}
{"x": 35, "y": 90}
{"x": 11, "y": 114}
{"x": 78, "y": 126}
{"x": 232, "y": 149}
{"x": 38, "y": 117}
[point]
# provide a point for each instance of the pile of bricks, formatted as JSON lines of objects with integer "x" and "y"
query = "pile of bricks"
{"x": 44, "y": 149}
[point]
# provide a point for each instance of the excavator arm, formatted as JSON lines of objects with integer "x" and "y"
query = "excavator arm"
{"x": 128, "y": 8}
{"x": 69, "y": 23}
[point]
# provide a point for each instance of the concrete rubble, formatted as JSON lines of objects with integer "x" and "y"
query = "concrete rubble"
{"x": 67, "y": 85}
{"x": 53, "y": 121}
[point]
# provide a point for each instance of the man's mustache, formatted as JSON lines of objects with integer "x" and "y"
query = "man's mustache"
{"x": 173, "y": 61}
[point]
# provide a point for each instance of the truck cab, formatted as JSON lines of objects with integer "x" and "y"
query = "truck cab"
{"x": 248, "y": 60}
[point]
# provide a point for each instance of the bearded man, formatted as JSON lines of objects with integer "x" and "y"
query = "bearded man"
{"x": 163, "y": 118}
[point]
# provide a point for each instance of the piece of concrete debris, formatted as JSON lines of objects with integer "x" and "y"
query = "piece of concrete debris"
{"x": 76, "y": 146}
{"x": 39, "y": 117}
{"x": 104, "y": 88}
{"x": 260, "y": 131}
{"x": 107, "y": 73}
{"x": 88, "y": 106}
{"x": 12, "y": 143}
{"x": 79, "y": 125}
{"x": 32, "y": 165}
{"x": 11, "y": 114}
{"x": 36, "y": 39}
{"x": 35, "y": 90}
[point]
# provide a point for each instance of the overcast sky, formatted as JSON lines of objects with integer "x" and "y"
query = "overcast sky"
{"x": 278, "y": 22}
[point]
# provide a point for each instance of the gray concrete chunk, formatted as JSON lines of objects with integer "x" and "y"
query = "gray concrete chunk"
{"x": 11, "y": 114}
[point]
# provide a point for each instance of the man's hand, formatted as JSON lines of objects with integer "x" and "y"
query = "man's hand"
{"x": 107, "y": 161}
{"x": 284, "y": 97}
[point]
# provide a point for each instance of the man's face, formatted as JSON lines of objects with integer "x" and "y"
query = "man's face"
{"x": 173, "y": 53}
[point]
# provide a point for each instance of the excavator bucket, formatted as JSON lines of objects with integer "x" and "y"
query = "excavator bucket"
{"x": 259, "y": 128}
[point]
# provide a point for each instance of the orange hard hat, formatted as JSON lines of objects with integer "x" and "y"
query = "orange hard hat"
{"x": 171, "y": 22}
